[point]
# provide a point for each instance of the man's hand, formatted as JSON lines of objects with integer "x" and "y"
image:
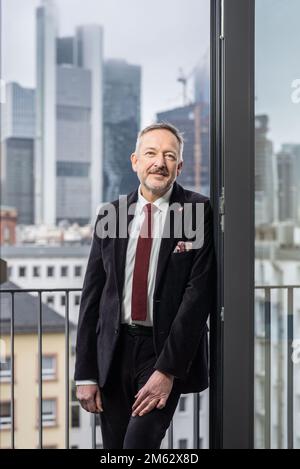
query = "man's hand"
{"x": 153, "y": 394}
{"x": 89, "y": 397}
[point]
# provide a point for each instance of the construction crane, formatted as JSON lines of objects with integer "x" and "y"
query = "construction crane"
{"x": 184, "y": 79}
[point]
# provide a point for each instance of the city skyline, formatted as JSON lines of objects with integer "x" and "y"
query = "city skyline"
{"x": 160, "y": 90}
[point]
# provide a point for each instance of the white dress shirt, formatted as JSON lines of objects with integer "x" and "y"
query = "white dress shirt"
{"x": 159, "y": 217}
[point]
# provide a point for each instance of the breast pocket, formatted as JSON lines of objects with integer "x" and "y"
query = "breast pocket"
{"x": 181, "y": 265}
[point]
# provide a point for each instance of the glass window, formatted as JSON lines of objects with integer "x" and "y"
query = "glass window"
{"x": 182, "y": 444}
{"x": 64, "y": 271}
{"x": 87, "y": 104}
{"x": 49, "y": 364}
{"x": 71, "y": 169}
{"x": 182, "y": 404}
{"x": 50, "y": 271}
{"x": 50, "y": 300}
{"x": 49, "y": 412}
{"x": 22, "y": 271}
{"x": 77, "y": 300}
{"x": 5, "y": 369}
{"x": 5, "y": 414}
{"x": 36, "y": 271}
{"x": 277, "y": 223}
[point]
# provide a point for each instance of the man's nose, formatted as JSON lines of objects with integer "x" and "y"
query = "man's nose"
{"x": 160, "y": 161}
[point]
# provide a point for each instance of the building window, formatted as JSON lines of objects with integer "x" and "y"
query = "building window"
{"x": 49, "y": 367}
{"x": 5, "y": 414}
{"x": 63, "y": 300}
{"x": 50, "y": 300}
{"x": 50, "y": 271}
{"x": 77, "y": 270}
{"x": 182, "y": 404}
{"x": 64, "y": 271}
{"x": 49, "y": 412}
{"x": 182, "y": 444}
{"x": 77, "y": 300}
{"x": 22, "y": 271}
{"x": 5, "y": 369}
{"x": 75, "y": 416}
{"x": 36, "y": 271}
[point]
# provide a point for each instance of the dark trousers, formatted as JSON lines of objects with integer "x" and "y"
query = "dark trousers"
{"x": 131, "y": 367}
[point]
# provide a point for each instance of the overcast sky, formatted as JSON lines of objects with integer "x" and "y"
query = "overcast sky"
{"x": 161, "y": 36}
{"x": 277, "y": 66}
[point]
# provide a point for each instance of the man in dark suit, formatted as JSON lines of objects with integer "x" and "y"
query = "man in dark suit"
{"x": 147, "y": 293}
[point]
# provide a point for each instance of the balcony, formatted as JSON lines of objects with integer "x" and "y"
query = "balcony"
{"x": 274, "y": 331}
{"x": 50, "y": 380}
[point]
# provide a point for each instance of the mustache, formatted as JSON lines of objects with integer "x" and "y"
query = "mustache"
{"x": 163, "y": 173}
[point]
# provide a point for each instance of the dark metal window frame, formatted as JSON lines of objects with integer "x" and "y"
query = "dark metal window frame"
{"x": 232, "y": 177}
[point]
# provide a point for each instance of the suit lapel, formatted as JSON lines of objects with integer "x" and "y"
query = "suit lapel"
{"x": 170, "y": 235}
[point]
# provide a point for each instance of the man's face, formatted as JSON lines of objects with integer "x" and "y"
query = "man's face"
{"x": 157, "y": 162}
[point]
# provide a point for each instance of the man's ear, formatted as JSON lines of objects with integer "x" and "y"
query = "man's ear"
{"x": 179, "y": 168}
{"x": 134, "y": 159}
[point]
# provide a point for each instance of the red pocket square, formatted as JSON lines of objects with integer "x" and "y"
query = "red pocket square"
{"x": 183, "y": 246}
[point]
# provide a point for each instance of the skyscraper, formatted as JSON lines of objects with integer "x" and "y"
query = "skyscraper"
{"x": 17, "y": 151}
{"x": 89, "y": 55}
{"x": 45, "y": 144}
{"x": 288, "y": 162}
{"x": 73, "y": 144}
{"x": 265, "y": 173}
{"x": 121, "y": 118}
{"x": 69, "y": 121}
{"x": 18, "y": 112}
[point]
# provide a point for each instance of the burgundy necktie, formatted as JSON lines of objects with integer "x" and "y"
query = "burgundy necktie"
{"x": 141, "y": 267}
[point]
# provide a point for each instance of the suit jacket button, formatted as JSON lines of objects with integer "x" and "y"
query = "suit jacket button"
{"x": 116, "y": 331}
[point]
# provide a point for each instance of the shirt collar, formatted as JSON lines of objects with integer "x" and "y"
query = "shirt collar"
{"x": 162, "y": 203}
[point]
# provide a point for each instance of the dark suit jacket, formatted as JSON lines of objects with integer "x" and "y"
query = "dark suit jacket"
{"x": 183, "y": 298}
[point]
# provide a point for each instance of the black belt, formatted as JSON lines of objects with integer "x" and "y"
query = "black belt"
{"x": 137, "y": 329}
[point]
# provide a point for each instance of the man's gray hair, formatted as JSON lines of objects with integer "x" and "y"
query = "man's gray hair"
{"x": 166, "y": 126}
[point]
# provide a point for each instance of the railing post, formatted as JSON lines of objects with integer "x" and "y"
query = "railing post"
{"x": 67, "y": 390}
{"x": 196, "y": 420}
{"x": 267, "y": 368}
{"x": 40, "y": 360}
{"x": 290, "y": 369}
{"x": 12, "y": 361}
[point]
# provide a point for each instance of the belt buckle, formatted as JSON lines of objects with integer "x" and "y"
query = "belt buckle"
{"x": 134, "y": 325}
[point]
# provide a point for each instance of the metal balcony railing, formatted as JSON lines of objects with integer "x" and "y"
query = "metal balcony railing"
{"x": 196, "y": 397}
{"x": 67, "y": 291}
{"x": 287, "y": 315}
